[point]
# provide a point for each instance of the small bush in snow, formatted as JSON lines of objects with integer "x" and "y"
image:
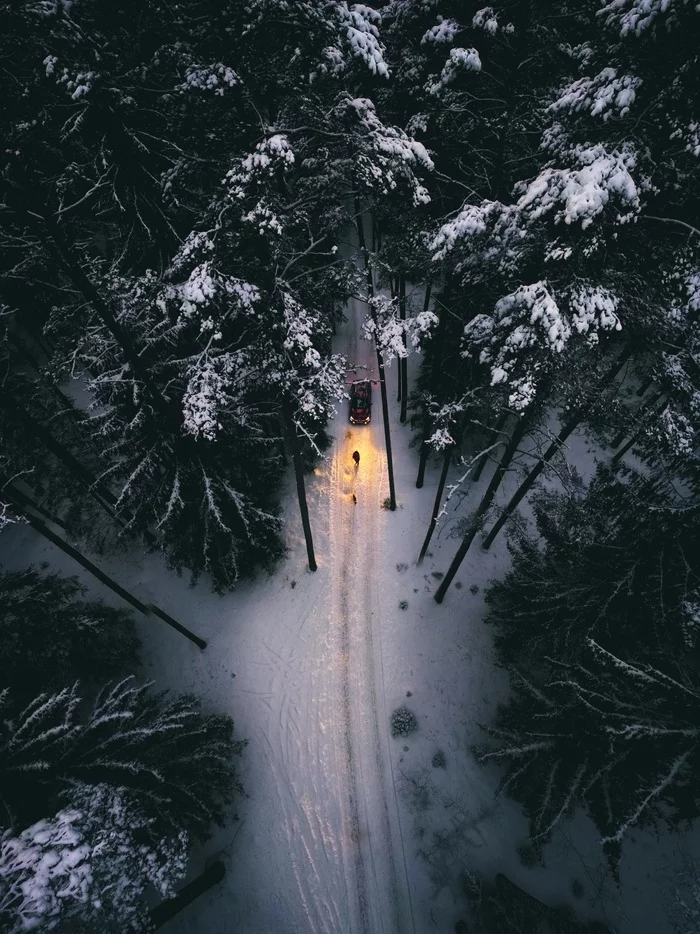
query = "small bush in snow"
{"x": 527, "y": 855}
{"x": 403, "y": 722}
{"x": 439, "y": 760}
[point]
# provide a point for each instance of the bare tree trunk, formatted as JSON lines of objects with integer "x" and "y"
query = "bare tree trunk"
{"x": 21, "y": 498}
{"x": 104, "y": 498}
{"x": 167, "y": 910}
{"x": 436, "y": 505}
{"x": 485, "y": 504}
{"x": 387, "y": 429}
{"x": 495, "y": 432}
{"x": 645, "y": 385}
{"x": 301, "y": 487}
{"x": 425, "y": 447}
{"x": 380, "y": 366}
{"x": 555, "y": 446}
{"x": 646, "y": 411}
{"x": 403, "y": 362}
{"x": 529, "y": 481}
{"x": 147, "y": 609}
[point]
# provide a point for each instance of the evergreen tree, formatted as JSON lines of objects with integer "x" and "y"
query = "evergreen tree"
{"x": 618, "y": 737}
{"x": 51, "y": 635}
{"x": 174, "y": 760}
{"x": 90, "y": 865}
{"x": 618, "y": 562}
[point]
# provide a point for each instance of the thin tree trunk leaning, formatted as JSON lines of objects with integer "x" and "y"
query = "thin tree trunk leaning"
{"x": 423, "y": 458}
{"x": 20, "y": 497}
{"x": 425, "y": 447}
{"x": 301, "y": 486}
{"x": 645, "y": 385}
{"x": 648, "y": 408}
{"x": 403, "y": 362}
{"x": 167, "y": 910}
{"x": 380, "y": 365}
{"x": 494, "y": 433}
{"x": 147, "y": 609}
{"x": 485, "y": 504}
{"x": 387, "y": 428}
{"x": 436, "y": 505}
{"x": 394, "y": 296}
{"x": 104, "y": 498}
{"x": 529, "y": 481}
{"x": 36, "y": 430}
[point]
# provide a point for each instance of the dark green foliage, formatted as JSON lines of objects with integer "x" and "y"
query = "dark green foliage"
{"x": 620, "y": 562}
{"x": 175, "y": 760}
{"x": 621, "y": 739}
{"x": 51, "y": 636}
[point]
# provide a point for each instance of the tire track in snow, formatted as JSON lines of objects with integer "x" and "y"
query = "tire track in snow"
{"x": 355, "y": 532}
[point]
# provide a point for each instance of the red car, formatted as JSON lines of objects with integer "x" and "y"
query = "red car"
{"x": 360, "y": 402}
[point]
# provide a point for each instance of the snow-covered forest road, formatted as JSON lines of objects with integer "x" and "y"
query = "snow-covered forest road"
{"x": 344, "y": 829}
{"x": 316, "y": 676}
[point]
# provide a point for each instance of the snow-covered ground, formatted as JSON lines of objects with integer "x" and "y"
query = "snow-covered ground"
{"x": 344, "y": 829}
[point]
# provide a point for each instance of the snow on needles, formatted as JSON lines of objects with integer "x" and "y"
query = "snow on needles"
{"x": 362, "y": 36}
{"x": 582, "y": 193}
{"x": 634, "y": 16}
{"x": 525, "y": 319}
{"x": 594, "y": 309}
{"x": 604, "y": 95}
{"x": 460, "y": 60}
{"x": 443, "y": 33}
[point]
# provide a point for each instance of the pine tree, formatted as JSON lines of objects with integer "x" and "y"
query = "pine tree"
{"x": 175, "y": 761}
{"x": 617, "y": 562}
{"x": 618, "y": 737}
{"x": 52, "y": 635}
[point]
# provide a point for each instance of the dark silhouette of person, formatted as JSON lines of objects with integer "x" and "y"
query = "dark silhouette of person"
{"x": 356, "y": 457}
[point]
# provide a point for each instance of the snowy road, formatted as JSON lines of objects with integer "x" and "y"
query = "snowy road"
{"x": 326, "y": 734}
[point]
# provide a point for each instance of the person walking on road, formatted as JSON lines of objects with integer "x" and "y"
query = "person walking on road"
{"x": 356, "y": 458}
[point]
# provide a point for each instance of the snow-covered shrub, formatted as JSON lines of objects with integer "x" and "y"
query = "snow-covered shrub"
{"x": 403, "y": 722}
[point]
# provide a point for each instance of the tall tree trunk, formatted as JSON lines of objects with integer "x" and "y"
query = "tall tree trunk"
{"x": 301, "y": 487}
{"x": 645, "y": 385}
{"x": 436, "y": 505}
{"x": 494, "y": 434}
{"x": 403, "y": 362}
{"x": 43, "y": 221}
{"x": 427, "y": 429}
{"x": 527, "y": 484}
{"x": 167, "y": 910}
{"x": 25, "y": 502}
{"x": 647, "y": 410}
{"x": 380, "y": 365}
{"x": 485, "y": 504}
{"x": 387, "y": 428}
{"x": 104, "y": 498}
{"x": 146, "y": 608}
{"x": 529, "y": 481}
